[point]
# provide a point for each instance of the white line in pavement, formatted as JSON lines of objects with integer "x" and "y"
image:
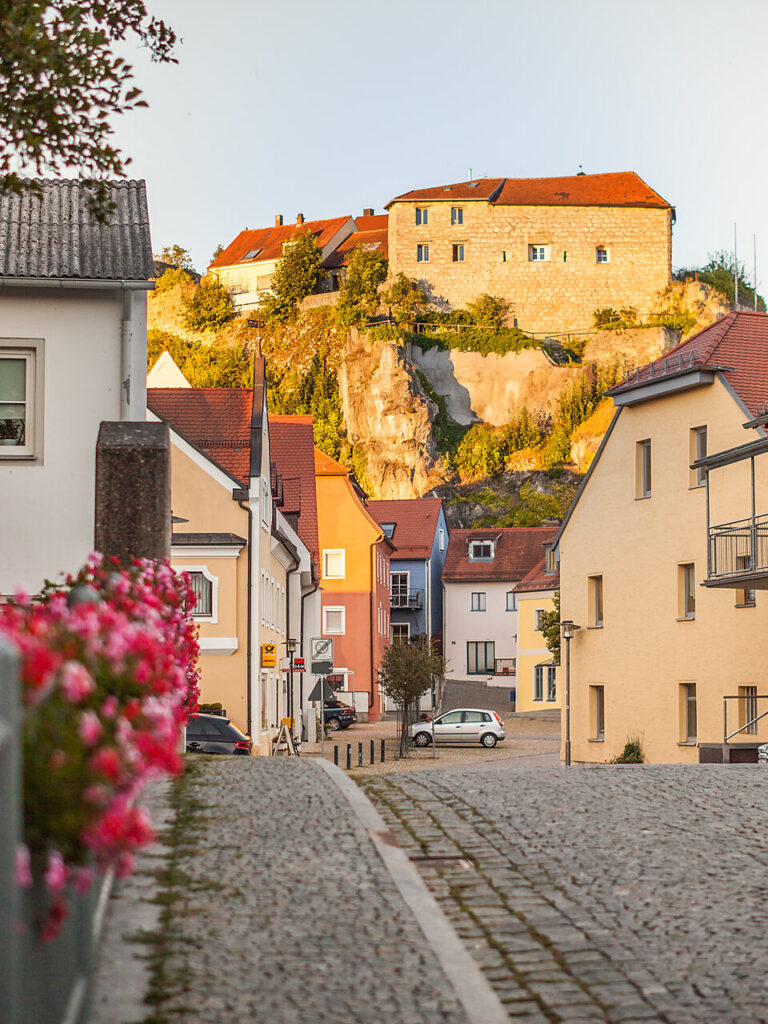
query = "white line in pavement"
{"x": 481, "y": 1003}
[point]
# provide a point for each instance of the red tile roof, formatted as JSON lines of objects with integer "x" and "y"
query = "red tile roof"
{"x": 292, "y": 449}
{"x": 326, "y": 466}
{"x": 415, "y": 522}
{"x": 518, "y": 550}
{"x": 370, "y": 239}
{"x": 372, "y": 222}
{"x": 538, "y": 579}
{"x": 268, "y": 242}
{"x": 621, "y": 188}
{"x": 737, "y": 344}
{"x": 215, "y": 420}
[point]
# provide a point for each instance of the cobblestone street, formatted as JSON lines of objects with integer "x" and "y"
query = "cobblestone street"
{"x": 608, "y": 894}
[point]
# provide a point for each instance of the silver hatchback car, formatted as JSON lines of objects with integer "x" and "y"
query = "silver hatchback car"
{"x": 462, "y": 725}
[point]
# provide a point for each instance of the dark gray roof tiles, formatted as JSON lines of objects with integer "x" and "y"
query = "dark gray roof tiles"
{"x": 54, "y": 234}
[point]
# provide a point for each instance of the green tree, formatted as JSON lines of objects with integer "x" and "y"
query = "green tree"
{"x": 535, "y": 507}
{"x": 177, "y": 257}
{"x": 489, "y": 311}
{"x": 407, "y": 671}
{"x": 481, "y": 453}
{"x": 61, "y": 81}
{"x": 214, "y": 365}
{"x": 209, "y": 308}
{"x": 297, "y": 275}
{"x": 522, "y": 432}
{"x": 719, "y": 273}
{"x": 366, "y": 269}
{"x": 550, "y": 628}
{"x": 405, "y": 297}
{"x": 217, "y": 252}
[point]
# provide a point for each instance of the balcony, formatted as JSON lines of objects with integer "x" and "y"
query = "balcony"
{"x": 505, "y": 667}
{"x": 737, "y": 554}
{"x": 410, "y": 600}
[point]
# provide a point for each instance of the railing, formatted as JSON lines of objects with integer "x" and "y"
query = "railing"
{"x": 505, "y": 667}
{"x": 410, "y": 599}
{"x": 748, "y": 699}
{"x": 739, "y": 548}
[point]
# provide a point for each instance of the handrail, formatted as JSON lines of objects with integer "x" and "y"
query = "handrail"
{"x": 742, "y": 728}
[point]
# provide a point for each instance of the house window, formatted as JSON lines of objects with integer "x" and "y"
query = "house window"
{"x": 333, "y": 564}
{"x": 478, "y": 602}
{"x": 538, "y": 619}
{"x": 748, "y": 708}
{"x": 597, "y": 712}
{"x": 538, "y": 253}
{"x": 263, "y": 699}
{"x": 686, "y": 593}
{"x": 481, "y": 657}
{"x": 399, "y": 589}
{"x": 511, "y": 601}
{"x": 441, "y": 540}
{"x": 551, "y": 682}
{"x": 481, "y": 550}
{"x": 602, "y": 255}
{"x": 697, "y": 449}
{"x": 333, "y": 621}
{"x": 401, "y": 632}
{"x": 266, "y": 502}
{"x": 458, "y": 253}
{"x": 422, "y": 215}
{"x": 422, "y": 254}
{"x": 745, "y": 596}
{"x": 17, "y": 402}
{"x": 250, "y": 255}
{"x": 388, "y": 528}
{"x": 643, "y": 469}
{"x": 689, "y": 717}
{"x": 457, "y": 215}
{"x": 550, "y": 562}
{"x": 504, "y": 256}
{"x": 538, "y": 682}
{"x": 202, "y": 584}
{"x": 595, "y": 599}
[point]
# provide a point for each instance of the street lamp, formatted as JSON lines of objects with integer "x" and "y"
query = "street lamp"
{"x": 291, "y": 644}
{"x": 569, "y": 631}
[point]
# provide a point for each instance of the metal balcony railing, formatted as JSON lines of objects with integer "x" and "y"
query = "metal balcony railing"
{"x": 412, "y": 600}
{"x": 739, "y": 548}
{"x": 506, "y": 667}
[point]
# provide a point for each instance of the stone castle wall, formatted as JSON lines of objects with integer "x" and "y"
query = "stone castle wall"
{"x": 557, "y": 295}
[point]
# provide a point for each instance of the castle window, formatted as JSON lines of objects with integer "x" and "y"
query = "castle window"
{"x": 458, "y": 253}
{"x": 422, "y": 215}
{"x": 538, "y": 253}
{"x": 457, "y": 215}
{"x": 422, "y": 254}
{"x": 602, "y": 255}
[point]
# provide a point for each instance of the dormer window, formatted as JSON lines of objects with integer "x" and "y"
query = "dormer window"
{"x": 388, "y": 528}
{"x": 481, "y": 550}
{"x": 550, "y": 561}
{"x": 251, "y": 254}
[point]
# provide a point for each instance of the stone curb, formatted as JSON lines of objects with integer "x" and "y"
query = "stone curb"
{"x": 480, "y": 1002}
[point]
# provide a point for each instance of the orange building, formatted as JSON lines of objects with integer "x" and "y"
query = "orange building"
{"x": 355, "y": 583}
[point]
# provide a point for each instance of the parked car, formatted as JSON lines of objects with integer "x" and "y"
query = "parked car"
{"x": 338, "y": 715}
{"x": 462, "y": 725}
{"x": 214, "y": 734}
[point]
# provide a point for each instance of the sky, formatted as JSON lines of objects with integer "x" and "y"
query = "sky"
{"x": 300, "y": 106}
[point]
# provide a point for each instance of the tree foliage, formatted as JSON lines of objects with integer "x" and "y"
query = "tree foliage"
{"x": 298, "y": 274}
{"x": 405, "y": 297}
{"x": 209, "y": 307}
{"x": 407, "y": 671}
{"x": 536, "y": 507}
{"x": 489, "y": 311}
{"x": 366, "y": 269}
{"x": 550, "y": 628}
{"x": 177, "y": 257}
{"x": 719, "y": 272}
{"x": 61, "y": 81}
{"x": 217, "y": 365}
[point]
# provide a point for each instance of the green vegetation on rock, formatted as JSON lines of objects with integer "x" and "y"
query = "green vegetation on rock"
{"x": 209, "y": 308}
{"x": 296, "y": 276}
{"x": 217, "y": 365}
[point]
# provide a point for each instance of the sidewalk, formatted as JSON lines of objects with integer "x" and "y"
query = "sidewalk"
{"x": 283, "y": 900}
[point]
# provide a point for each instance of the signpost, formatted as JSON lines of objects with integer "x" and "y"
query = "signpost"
{"x": 321, "y": 662}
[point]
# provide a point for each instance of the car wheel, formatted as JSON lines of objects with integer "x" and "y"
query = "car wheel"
{"x": 334, "y": 725}
{"x": 422, "y": 739}
{"x": 489, "y": 740}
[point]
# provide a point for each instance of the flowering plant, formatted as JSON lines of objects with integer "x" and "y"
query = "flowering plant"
{"x": 109, "y": 678}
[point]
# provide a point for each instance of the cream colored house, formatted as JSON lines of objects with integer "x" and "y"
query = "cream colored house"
{"x": 252, "y": 573}
{"x": 538, "y": 674}
{"x": 673, "y": 627}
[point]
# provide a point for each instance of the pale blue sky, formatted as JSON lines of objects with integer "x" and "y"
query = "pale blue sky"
{"x": 326, "y": 108}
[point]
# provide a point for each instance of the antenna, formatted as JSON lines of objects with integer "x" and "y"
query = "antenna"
{"x": 735, "y": 271}
{"x": 470, "y": 174}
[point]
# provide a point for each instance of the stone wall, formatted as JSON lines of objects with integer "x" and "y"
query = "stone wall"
{"x": 552, "y": 296}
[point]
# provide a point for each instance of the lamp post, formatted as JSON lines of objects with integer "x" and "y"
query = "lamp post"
{"x": 291, "y": 644}
{"x": 569, "y": 631}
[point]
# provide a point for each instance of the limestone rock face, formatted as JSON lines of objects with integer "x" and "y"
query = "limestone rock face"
{"x": 388, "y": 414}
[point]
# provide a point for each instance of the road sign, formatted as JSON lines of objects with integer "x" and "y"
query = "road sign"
{"x": 320, "y": 690}
{"x": 299, "y": 665}
{"x": 321, "y": 658}
{"x": 268, "y": 655}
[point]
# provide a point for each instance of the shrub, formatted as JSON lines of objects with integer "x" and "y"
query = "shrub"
{"x": 631, "y": 754}
{"x": 366, "y": 269}
{"x": 297, "y": 275}
{"x": 534, "y": 507}
{"x": 173, "y": 277}
{"x": 405, "y": 297}
{"x": 209, "y": 308}
{"x": 489, "y": 311}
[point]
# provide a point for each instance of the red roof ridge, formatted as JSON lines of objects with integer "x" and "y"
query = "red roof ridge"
{"x": 285, "y": 417}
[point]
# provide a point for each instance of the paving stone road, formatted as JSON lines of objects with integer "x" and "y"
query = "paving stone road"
{"x": 607, "y": 894}
{"x": 279, "y": 910}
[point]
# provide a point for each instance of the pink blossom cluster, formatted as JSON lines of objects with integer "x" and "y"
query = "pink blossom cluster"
{"x": 109, "y": 678}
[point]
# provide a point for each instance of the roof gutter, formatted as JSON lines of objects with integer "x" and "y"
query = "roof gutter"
{"x": 76, "y": 282}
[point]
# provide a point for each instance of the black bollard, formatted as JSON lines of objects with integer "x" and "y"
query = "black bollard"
{"x": 335, "y": 753}
{"x": 360, "y": 755}
{"x": 349, "y": 756}
{"x": 382, "y": 751}
{"x": 373, "y": 751}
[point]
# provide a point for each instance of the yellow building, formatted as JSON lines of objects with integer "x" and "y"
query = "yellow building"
{"x": 538, "y": 674}
{"x": 662, "y": 650}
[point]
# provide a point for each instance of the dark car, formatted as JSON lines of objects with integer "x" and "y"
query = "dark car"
{"x": 214, "y": 734}
{"x": 338, "y": 715}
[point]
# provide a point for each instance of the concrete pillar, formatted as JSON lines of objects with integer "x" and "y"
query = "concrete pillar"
{"x": 133, "y": 491}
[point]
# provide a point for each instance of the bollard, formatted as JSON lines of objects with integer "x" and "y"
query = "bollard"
{"x": 373, "y": 751}
{"x": 382, "y": 751}
{"x": 349, "y": 756}
{"x": 360, "y": 755}
{"x": 336, "y": 753}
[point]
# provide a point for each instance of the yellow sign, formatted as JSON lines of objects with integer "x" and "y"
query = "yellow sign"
{"x": 268, "y": 655}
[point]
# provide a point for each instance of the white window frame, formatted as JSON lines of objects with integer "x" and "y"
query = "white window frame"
{"x": 214, "y": 581}
{"x": 422, "y": 252}
{"x": 441, "y": 539}
{"x": 538, "y": 253}
{"x": 551, "y": 683}
{"x": 266, "y": 503}
{"x": 513, "y": 595}
{"x": 335, "y": 608}
{"x": 538, "y": 683}
{"x": 400, "y": 626}
{"x": 457, "y": 215}
{"x": 538, "y": 623}
{"x": 473, "y": 544}
{"x": 478, "y": 601}
{"x": 334, "y": 551}
{"x": 32, "y": 352}
{"x": 602, "y": 249}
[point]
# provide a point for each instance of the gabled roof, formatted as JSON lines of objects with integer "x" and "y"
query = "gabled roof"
{"x": 377, "y": 239}
{"x": 326, "y": 466}
{"x": 54, "y": 234}
{"x": 538, "y": 579}
{"x": 737, "y": 345}
{"x": 517, "y": 551}
{"x": 622, "y": 188}
{"x": 217, "y": 421}
{"x": 415, "y": 522}
{"x": 372, "y": 222}
{"x": 292, "y": 449}
{"x": 267, "y": 243}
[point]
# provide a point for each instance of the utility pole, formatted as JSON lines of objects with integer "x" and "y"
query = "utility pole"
{"x": 754, "y": 272}
{"x": 735, "y": 270}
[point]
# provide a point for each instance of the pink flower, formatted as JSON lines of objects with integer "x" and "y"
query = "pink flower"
{"x": 55, "y": 873}
{"x": 83, "y": 880}
{"x": 76, "y": 682}
{"x": 23, "y": 870}
{"x": 109, "y": 707}
{"x": 89, "y": 728}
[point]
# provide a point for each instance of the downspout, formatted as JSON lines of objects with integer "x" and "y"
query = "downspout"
{"x": 126, "y": 342}
{"x": 249, "y": 642}
{"x": 291, "y": 572}
{"x": 312, "y": 590}
{"x": 371, "y": 603}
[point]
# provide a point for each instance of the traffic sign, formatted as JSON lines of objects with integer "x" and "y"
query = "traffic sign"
{"x": 321, "y": 655}
{"x": 320, "y": 690}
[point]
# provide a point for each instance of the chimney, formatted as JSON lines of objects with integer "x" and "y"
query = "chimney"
{"x": 278, "y": 220}
{"x": 299, "y": 218}
{"x": 368, "y": 211}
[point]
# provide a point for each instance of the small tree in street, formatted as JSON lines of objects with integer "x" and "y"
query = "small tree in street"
{"x": 406, "y": 673}
{"x": 550, "y": 628}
